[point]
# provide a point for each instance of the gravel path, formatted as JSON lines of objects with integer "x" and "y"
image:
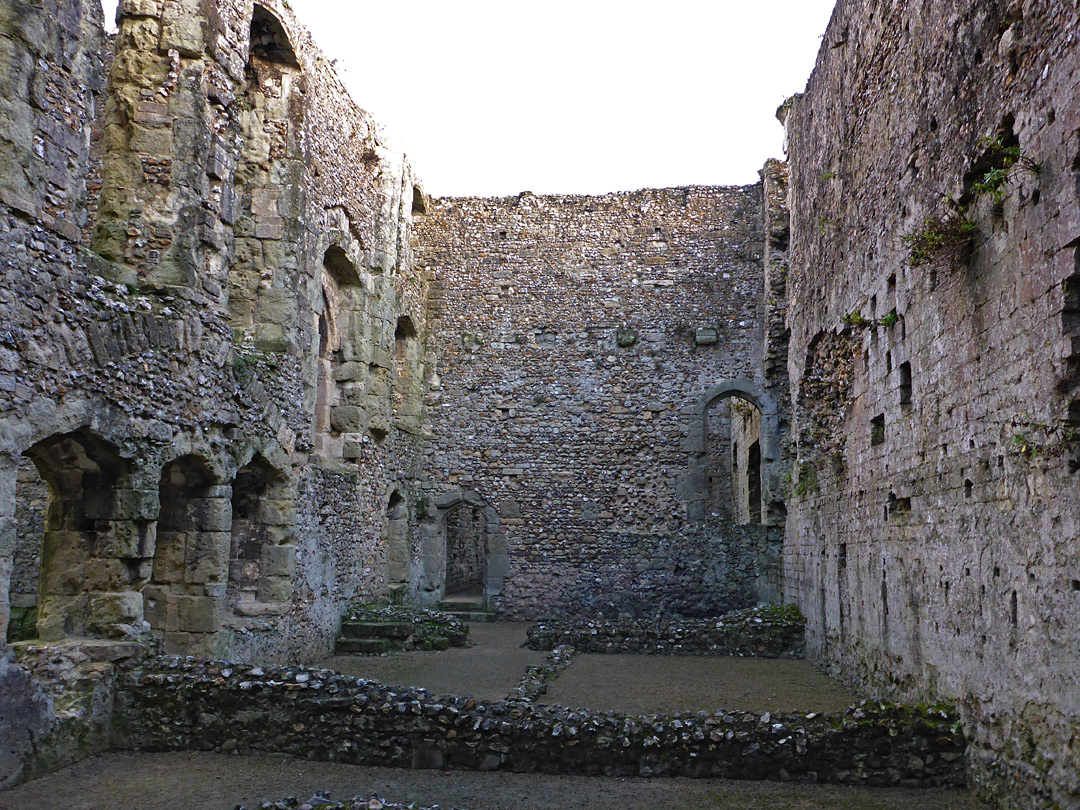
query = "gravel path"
{"x": 200, "y": 781}
{"x": 662, "y": 684}
{"x": 488, "y": 669}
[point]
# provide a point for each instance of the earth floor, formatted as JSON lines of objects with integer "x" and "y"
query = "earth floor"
{"x": 488, "y": 670}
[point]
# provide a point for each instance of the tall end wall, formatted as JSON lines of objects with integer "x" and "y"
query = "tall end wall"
{"x": 575, "y": 339}
{"x": 934, "y": 535}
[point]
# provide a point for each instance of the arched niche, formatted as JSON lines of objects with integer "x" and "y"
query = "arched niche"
{"x": 97, "y": 542}
{"x": 269, "y": 40}
{"x": 340, "y": 267}
{"x": 406, "y": 369}
{"x": 397, "y": 537}
{"x": 341, "y": 328}
{"x": 262, "y": 556}
{"x": 269, "y": 192}
{"x": 182, "y": 600}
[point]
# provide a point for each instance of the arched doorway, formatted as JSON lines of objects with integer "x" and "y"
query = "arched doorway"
{"x": 463, "y": 551}
{"x": 734, "y": 456}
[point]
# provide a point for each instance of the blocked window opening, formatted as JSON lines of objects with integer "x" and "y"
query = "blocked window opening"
{"x": 877, "y": 430}
{"x": 31, "y": 502}
{"x": 191, "y": 555}
{"x": 884, "y": 596}
{"x": 403, "y": 334}
{"x": 465, "y": 550}
{"x": 899, "y": 504}
{"x": 905, "y": 383}
{"x": 266, "y": 208}
{"x": 397, "y": 544}
{"x": 94, "y": 544}
{"x": 325, "y": 392}
{"x": 340, "y": 267}
{"x": 260, "y": 560}
{"x": 419, "y": 205}
{"x": 753, "y": 472}
{"x": 406, "y": 366}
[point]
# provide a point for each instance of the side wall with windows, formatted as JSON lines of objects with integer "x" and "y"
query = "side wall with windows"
{"x": 574, "y": 338}
{"x": 205, "y": 257}
{"x": 934, "y": 537}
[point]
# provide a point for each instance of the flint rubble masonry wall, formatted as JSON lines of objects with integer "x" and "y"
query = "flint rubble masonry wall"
{"x": 573, "y": 337}
{"x": 936, "y": 553}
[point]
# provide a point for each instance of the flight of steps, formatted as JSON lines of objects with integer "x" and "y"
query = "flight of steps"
{"x": 367, "y": 635}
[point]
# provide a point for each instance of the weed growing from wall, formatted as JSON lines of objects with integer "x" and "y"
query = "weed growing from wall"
{"x": 942, "y": 240}
{"x": 856, "y": 320}
{"x": 1003, "y": 161}
{"x": 1032, "y": 439}
{"x": 807, "y": 480}
{"x": 949, "y": 239}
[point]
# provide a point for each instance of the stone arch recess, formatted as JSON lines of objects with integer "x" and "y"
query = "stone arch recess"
{"x": 696, "y": 489}
{"x": 433, "y": 552}
{"x": 98, "y": 538}
{"x": 262, "y": 549}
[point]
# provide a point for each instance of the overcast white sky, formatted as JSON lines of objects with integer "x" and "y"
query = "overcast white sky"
{"x": 494, "y": 97}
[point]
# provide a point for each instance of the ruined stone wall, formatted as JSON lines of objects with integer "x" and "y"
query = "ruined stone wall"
{"x": 205, "y": 268}
{"x": 242, "y": 246}
{"x": 574, "y": 337}
{"x": 932, "y": 539}
{"x": 178, "y": 704}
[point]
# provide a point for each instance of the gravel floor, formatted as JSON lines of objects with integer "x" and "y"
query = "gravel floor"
{"x": 662, "y": 684}
{"x": 488, "y": 669}
{"x": 199, "y": 781}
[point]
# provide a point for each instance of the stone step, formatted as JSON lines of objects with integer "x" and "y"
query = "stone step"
{"x": 455, "y": 606}
{"x": 436, "y": 643}
{"x": 367, "y": 646}
{"x": 398, "y": 630}
{"x": 457, "y": 639}
{"x": 471, "y": 615}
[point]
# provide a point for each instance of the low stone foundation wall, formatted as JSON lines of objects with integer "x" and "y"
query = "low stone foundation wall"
{"x": 761, "y": 632}
{"x": 56, "y": 703}
{"x": 185, "y": 704}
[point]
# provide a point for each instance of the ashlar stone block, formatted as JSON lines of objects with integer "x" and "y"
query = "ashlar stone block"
{"x": 279, "y": 561}
{"x": 275, "y": 589}
{"x": 197, "y": 614}
{"x": 125, "y": 607}
{"x": 169, "y": 558}
{"x": 207, "y": 558}
{"x": 347, "y": 418}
